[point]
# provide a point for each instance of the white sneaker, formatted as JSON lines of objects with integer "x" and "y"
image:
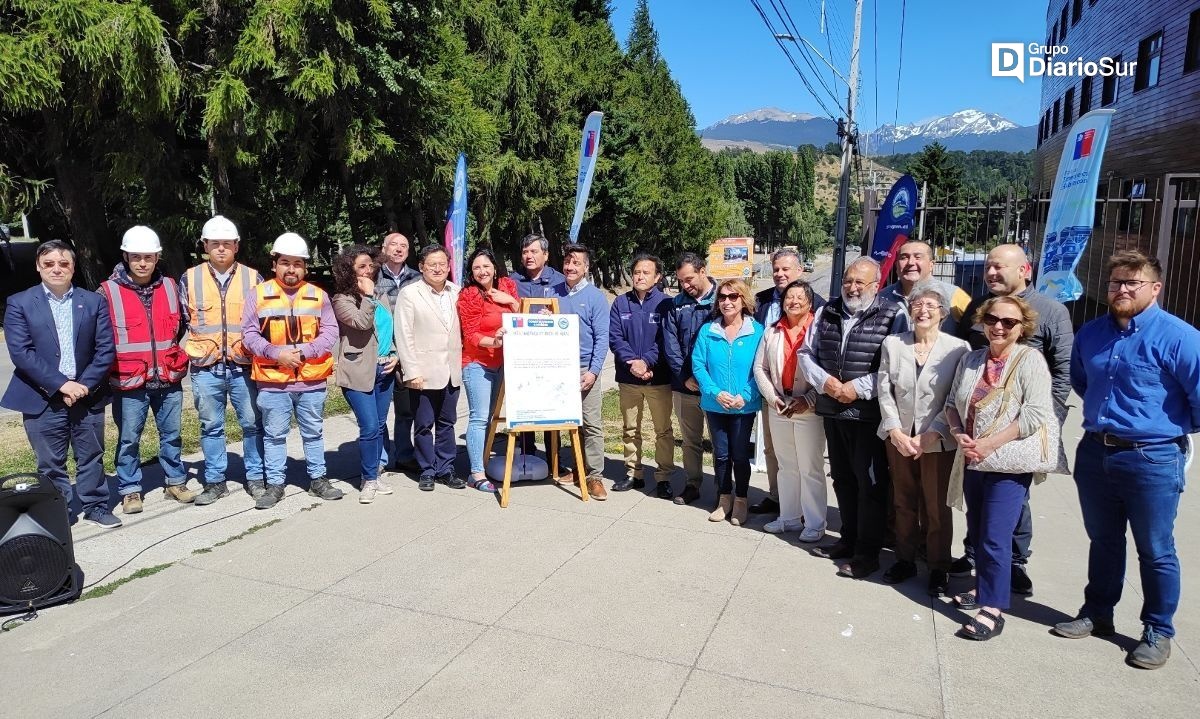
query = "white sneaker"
{"x": 812, "y": 535}
{"x": 383, "y": 487}
{"x": 366, "y": 493}
{"x": 779, "y": 526}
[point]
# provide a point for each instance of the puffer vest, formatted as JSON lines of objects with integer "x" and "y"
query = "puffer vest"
{"x": 860, "y": 358}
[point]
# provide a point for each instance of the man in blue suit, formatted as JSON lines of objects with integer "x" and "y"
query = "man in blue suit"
{"x": 60, "y": 340}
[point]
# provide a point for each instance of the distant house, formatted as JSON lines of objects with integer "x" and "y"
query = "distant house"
{"x": 1150, "y": 177}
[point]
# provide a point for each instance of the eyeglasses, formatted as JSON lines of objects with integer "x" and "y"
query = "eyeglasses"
{"x": 1006, "y": 322}
{"x": 1131, "y": 285}
{"x": 925, "y": 306}
{"x": 857, "y": 283}
{"x": 722, "y": 297}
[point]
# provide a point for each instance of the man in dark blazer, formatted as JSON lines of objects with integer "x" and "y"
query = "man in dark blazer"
{"x": 60, "y": 341}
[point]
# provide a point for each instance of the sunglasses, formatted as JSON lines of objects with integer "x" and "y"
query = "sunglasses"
{"x": 732, "y": 298}
{"x": 1006, "y": 322}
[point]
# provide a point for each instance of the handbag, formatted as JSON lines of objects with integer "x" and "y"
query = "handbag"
{"x": 1037, "y": 453}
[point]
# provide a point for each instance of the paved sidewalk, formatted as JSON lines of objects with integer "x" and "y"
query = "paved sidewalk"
{"x": 443, "y": 604}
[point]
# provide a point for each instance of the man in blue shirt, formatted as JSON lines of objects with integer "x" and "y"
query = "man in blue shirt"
{"x": 60, "y": 340}
{"x": 577, "y": 296}
{"x": 536, "y": 279}
{"x": 1138, "y": 371}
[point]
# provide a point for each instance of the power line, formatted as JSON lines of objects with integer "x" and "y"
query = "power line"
{"x": 803, "y": 79}
{"x": 804, "y": 53}
{"x": 899, "y": 67}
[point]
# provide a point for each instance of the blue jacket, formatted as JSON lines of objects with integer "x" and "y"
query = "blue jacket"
{"x": 683, "y": 323}
{"x": 635, "y": 331}
{"x": 724, "y": 366}
{"x": 591, "y": 305}
{"x": 543, "y": 286}
{"x": 33, "y": 346}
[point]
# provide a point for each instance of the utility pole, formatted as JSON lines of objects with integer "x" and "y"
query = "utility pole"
{"x": 848, "y": 137}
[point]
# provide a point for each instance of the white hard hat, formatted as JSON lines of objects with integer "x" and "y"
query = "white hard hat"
{"x": 289, "y": 243}
{"x": 219, "y": 228}
{"x": 140, "y": 239}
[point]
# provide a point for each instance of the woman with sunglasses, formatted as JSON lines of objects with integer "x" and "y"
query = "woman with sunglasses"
{"x": 994, "y": 499}
{"x": 365, "y": 359}
{"x": 723, "y": 364}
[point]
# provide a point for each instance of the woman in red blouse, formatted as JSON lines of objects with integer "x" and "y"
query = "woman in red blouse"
{"x": 487, "y": 294}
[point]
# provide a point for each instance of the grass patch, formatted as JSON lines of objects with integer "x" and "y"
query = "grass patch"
{"x": 614, "y": 428}
{"x": 234, "y": 538}
{"x": 106, "y": 589}
{"x": 16, "y": 454}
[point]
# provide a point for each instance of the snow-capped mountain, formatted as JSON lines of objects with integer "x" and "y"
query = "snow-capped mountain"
{"x": 963, "y": 130}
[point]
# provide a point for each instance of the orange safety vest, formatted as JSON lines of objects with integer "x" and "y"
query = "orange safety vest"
{"x": 215, "y": 317}
{"x": 290, "y": 320}
{"x": 145, "y": 343}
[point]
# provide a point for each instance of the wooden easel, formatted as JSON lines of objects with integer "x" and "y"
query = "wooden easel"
{"x": 498, "y": 421}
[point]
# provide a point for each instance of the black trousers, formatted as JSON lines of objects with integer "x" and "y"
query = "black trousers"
{"x": 861, "y": 483}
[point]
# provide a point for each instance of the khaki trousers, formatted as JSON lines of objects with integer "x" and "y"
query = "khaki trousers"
{"x": 769, "y": 451}
{"x": 691, "y": 427}
{"x": 634, "y": 397}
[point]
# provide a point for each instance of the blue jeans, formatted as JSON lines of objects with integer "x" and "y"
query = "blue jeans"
{"x": 277, "y": 409}
{"x": 399, "y": 447}
{"x": 82, "y": 428}
{"x": 482, "y": 386}
{"x": 993, "y": 507}
{"x": 731, "y": 451}
{"x": 1138, "y": 487}
{"x": 370, "y": 409}
{"x": 211, "y": 388}
{"x": 130, "y": 410}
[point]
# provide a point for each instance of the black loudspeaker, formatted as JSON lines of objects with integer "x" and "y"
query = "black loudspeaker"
{"x": 37, "y": 556}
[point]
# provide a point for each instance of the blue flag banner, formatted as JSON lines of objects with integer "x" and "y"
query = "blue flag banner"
{"x": 895, "y": 224}
{"x": 456, "y": 222}
{"x": 1073, "y": 206}
{"x": 589, "y": 149}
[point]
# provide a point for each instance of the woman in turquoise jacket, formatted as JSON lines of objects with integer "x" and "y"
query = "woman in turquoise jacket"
{"x": 723, "y": 363}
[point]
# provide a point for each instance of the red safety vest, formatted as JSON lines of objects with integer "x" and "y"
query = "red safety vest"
{"x": 146, "y": 346}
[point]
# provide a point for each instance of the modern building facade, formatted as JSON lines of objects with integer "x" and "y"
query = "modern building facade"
{"x": 1149, "y": 190}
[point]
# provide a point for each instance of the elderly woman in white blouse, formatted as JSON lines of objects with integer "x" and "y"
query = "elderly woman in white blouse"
{"x": 916, "y": 370}
{"x": 798, "y": 433}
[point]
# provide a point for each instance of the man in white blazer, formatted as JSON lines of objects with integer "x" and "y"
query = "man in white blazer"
{"x": 429, "y": 344}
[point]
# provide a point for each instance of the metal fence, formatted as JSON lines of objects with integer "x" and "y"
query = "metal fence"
{"x": 1158, "y": 216}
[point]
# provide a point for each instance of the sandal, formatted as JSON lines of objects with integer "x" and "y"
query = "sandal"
{"x": 966, "y": 600}
{"x": 483, "y": 484}
{"x": 980, "y": 632}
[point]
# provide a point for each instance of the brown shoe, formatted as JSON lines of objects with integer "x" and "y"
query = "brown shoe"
{"x": 740, "y": 511}
{"x": 131, "y": 503}
{"x": 180, "y": 493}
{"x": 567, "y": 478}
{"x": 596, "y": 489}
{"x": 724, "y": 505}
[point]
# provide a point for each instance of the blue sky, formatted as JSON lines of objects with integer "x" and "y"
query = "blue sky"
{"x": 726, "y": 61}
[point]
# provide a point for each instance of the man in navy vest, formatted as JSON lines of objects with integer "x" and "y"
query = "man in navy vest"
{"x": 840, "y": 358}
{"x": 60, "y": 340}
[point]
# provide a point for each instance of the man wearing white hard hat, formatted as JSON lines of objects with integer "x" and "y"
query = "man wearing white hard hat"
{"x": 212, "y": 295}
{"x": 148, "y": 372}
{"x": 289, "y": 328}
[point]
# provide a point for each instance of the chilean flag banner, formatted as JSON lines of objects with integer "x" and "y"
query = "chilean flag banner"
{"x": 894, "y": 225}
{"x": 1073, "y": 206}
{"x": 589, "y": 150}
{"x": 455, "y": 239}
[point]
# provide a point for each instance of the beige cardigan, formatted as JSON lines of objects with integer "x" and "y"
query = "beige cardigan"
{"x": 357, "y": 352}
{"x": 768, "y": 371}
{"x": 908, "y": 400}
{"x": 428, "y": 346}
{"x": 1031, "y": 385}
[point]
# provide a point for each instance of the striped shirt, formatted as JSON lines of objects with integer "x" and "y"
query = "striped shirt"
{"x": 64, "y": 324}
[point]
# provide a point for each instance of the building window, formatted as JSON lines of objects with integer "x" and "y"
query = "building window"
{"x": 1085, "y": 96}
{"x": 1108, "y": 92}
{"x": 1191, "y": 60}
{"x": 1149, "y": 55}
{"x": 1076, "y": 11}
{"x": 1069, "y": 107}
{"x": 1062, "y": 24}
{"x": 1054, "y": 116}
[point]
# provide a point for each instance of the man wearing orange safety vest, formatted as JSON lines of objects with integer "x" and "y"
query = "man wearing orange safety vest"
{"x": 212, "y": 295}
{"x": 149, "y": 369}
{"x": 289, "y": 328}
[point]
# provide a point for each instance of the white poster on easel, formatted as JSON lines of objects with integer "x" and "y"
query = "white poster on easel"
{"x": 541, "y": 370}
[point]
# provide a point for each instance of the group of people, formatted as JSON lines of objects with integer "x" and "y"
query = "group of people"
{"x": 923, "y": 398}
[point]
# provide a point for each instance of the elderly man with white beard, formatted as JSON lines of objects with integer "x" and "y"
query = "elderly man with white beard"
{"x": 840, "y": 358}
